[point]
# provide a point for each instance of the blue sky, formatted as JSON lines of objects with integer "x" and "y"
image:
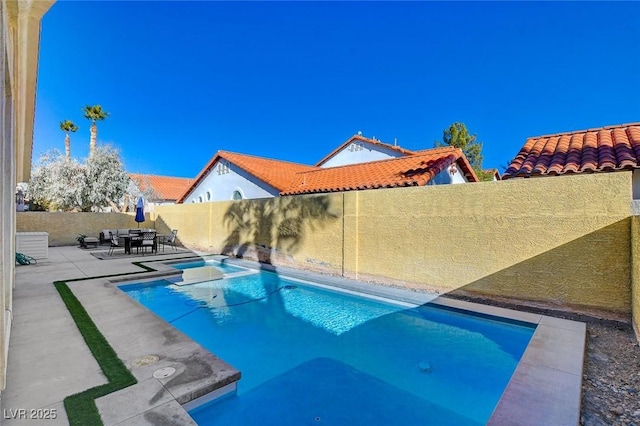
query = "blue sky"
{"x": 293, "y": 80}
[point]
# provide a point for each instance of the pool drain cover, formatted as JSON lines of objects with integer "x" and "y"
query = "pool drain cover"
{"x": 164, "y": 372}
{"x": 425, "y": 367}
{"x": 145, "y": 361}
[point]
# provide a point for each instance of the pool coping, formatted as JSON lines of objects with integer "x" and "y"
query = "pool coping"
{"x": 171, "y": 369}
{"x": 544, "y": 389}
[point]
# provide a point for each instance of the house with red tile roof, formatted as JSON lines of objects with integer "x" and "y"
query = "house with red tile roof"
{"x": 232, "y": 176}
{"x": 605, "y": 149}
{"x": 359, "y": 163}
{"x": 358, "y": 149}
{"x": 429, "y": 167}
{"x": 160, "y": 189}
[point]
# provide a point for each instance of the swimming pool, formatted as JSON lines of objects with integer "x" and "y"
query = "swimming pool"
{"x": 310, "y": 355}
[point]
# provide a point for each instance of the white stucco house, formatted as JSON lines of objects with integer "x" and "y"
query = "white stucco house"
{"x": 358, "y": 163}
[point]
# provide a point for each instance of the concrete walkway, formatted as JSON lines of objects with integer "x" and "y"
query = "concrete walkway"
{"x": 49, "y": 360}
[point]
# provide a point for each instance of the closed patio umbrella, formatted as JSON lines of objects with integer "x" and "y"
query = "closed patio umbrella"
{"x": 140, "y": 211}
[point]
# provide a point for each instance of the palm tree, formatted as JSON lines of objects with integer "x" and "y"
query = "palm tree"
{"x": 94, "y": 113}
{"x": 67, "y": 126}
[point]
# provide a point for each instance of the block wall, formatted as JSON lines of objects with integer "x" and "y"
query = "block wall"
{"x": 304, "y": 232}
{"x": 564, "y": 241}
{"x": 64, "y": 228}
{"x": 559, "y": 242}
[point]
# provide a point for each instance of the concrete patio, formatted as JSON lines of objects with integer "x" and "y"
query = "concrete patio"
{"x": 49, "y": 360}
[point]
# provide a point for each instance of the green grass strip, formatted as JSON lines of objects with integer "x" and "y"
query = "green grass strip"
{"x": 81, "y": 407}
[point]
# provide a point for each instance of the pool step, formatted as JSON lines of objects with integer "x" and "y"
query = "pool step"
{"x": 199, "y": 275}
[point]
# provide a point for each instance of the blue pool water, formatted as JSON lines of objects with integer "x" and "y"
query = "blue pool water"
{"x": 314, "y": 356}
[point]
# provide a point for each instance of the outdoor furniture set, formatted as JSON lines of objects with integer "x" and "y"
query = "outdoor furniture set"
{"x": 141, "y": 239}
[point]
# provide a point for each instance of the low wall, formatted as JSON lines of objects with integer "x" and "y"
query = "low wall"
{"x": 559, "y": 242}
{"x": 556, "y": 241}
{"x": 303, "y": 231}
{"x": 64, "y": 227}
{"x": 563, "y": 241}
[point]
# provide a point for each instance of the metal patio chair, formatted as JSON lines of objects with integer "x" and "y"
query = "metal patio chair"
{"x": 115, "y": 243}
{"x": 148, "y": 241}
{"x": 170, "y": 240}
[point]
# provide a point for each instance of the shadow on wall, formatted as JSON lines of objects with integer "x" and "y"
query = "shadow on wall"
{"x": 273, "y": 225}
{"x": 590, "y": 275}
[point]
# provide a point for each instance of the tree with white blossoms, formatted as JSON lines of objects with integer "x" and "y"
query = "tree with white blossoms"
{"x": 107, "y": 179}
{"x": 58, "y": 184}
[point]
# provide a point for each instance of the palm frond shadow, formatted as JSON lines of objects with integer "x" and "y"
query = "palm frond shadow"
{"x": 272, "y": 225}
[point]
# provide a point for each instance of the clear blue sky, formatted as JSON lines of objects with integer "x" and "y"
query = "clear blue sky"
{"x": 293, "y": 80}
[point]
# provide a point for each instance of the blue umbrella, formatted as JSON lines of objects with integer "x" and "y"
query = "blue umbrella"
{"x": 140, "y": 211}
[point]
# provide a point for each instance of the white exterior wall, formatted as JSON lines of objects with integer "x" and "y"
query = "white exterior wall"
{"x": 222, "y": 186}
{"x": 7, "y": 185}
{"x": 19, "y": 46}
{"x": 446, "y": 178}
{"x": 458, "y": 176}
{"x": 363, "y": 152}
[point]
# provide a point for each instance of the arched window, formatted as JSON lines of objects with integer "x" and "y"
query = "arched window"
{"x": 208, "y": 195}
{"x": 237, "y": 195}
{"x": 200, "y": 199}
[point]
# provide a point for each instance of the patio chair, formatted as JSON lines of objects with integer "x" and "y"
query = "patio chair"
{"x": 170, "y": 240}
{"x": 115, "y": 243}
{"x": 135, "y": 239}
{"x": 148, "y": 240}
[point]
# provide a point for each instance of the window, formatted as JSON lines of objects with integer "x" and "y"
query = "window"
{"x": 356, "y": 146}
{"x": 237, "y": 195}
{"x": 208, "y": 195}
{"x": 223, "y": 168}
{"x": 200, "y": 199}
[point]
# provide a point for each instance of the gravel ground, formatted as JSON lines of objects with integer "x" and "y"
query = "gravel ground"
{"x": 611, "y": 381}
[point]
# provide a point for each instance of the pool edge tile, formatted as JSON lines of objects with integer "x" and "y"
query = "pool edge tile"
{"x": 488, "y": 310}
{"x": 539, "y": 395}
{"x": 546, "y": 387}
{"x": 557, "y": 348}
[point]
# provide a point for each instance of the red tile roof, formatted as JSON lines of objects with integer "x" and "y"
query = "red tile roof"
{"x": 412, "y": 170}
{"x": 276, "y": 173}
{"x": 367, "y": 140}
{"x": 164, "y": 187}
{"x": 603, "y": 149}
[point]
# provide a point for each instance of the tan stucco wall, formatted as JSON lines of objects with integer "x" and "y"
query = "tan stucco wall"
{"x": 562, "y": 241}
{"x": 635, "y": 274}
{"x": 64, "y": 228}
{"x": 304, "y": 231}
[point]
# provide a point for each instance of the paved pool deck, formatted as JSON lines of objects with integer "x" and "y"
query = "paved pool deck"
{"x": 48, "y": 359}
